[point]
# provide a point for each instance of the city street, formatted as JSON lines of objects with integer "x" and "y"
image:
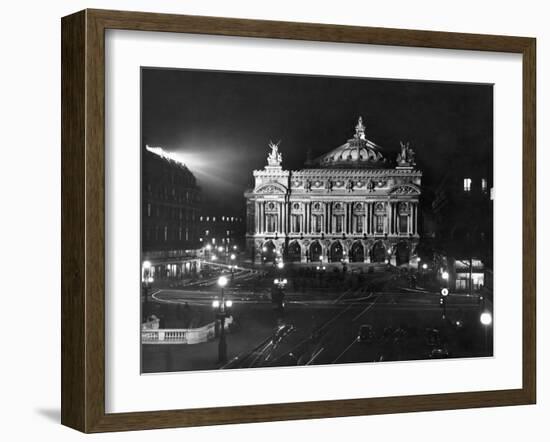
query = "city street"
{"x": 378, "y": 320}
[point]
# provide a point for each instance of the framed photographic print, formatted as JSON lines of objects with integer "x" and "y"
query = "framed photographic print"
{"x": 268, "y": 220}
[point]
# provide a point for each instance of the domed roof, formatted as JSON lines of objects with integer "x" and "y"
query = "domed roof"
{"x": 356, "y": 152}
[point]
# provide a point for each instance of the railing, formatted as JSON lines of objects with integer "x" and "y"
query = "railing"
{"x": 182, "y": 335}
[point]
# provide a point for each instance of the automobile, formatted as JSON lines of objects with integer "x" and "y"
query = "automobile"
{"x": 433, "y": 337}
{"x": 439, "y": 353}
{"x": 365, "y": 333}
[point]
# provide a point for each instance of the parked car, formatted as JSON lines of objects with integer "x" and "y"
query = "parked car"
{"x": 433, "y": 337}
{"x": 439, "y": 353}
{"x": 365, "y": 333}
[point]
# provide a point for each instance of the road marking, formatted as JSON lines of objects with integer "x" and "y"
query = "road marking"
{"x": 317, "y": 353}
{"x": 365, "y": 310}
{"x": 347, "y": 348}
{"x": 341, "y": 296}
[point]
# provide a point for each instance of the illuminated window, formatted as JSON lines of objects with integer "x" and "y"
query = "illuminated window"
{"x": 403, "y": 223}
{"x": 165, "y": 233}
{"x": 484, "y": 185}
{"x": 339, "y": 223}
{"x": 296, "y": 223}
{"x": 467, "y": 184}
{"x": 148, "y": 209}
{"x": 317, "y": 223}
{"x": 380, "y": 223}
{"x": 358, "y": 224}
{"x": 271, "y": 223}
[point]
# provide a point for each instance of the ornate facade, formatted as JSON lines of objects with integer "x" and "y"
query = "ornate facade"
{"x": 349, "y": 205}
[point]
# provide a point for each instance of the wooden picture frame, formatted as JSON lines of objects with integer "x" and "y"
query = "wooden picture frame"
{"x": 83, "y": 220}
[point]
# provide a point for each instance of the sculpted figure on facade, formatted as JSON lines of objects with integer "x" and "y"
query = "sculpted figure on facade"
{"x": 407, "y": 155}
{"x": 274, "y": 158}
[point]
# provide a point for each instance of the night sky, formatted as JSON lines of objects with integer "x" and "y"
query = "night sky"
{"x": 220, "y": 123}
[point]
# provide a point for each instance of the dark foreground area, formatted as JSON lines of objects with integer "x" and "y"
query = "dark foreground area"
{"x": 378, "y": 320}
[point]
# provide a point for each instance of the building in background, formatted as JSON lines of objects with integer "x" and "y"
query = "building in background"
{"x": 349, "y": 205}
{"x": 171, "y": 201}
{"x": 463, "y": 209}
{"x": 226, "y": 231}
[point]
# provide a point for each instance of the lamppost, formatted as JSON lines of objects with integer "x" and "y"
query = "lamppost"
{"x": 279, "y": 293}
{"x": 232, "y": 266}
{"x": 443, "y": 300}
{"x": 486, "y": 320}
{"x": 146, "y": 280}
{"x": 222, "y": 311}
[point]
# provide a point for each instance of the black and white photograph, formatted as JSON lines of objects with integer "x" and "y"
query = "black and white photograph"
{"x": 297, "y": 220}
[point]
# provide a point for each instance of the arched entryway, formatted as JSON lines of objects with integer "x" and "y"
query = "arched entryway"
{"x": 378, "y": 252}
{"x": 336, "y": 252}
{"x": 402, "y": 253}
{"x": 315, "y": 251}
{"x": 268, "y": 252}
{"x": 294, "y": 252}
{"x": 357, "y": 253}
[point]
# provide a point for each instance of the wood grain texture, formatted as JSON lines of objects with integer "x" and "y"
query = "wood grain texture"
{"x": 73, "y": 256}
{"x": 83, "y": 220}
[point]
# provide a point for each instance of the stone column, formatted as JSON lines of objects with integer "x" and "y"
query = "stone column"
{"x": 388, "y": 216}
{"x": 256, "y": 217}
{"x": 280, "y": 220}
{"x": 329, "y": 216}
{"x": 307, "y": 219}
{"x": 365, "y": 216}
{"x": 392, "y": 213}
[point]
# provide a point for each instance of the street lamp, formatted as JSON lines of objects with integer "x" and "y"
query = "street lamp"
{"x": 278, "y": 295}
{"x": 486, "y": 320}
{"x": 443, "y": 300}
{"x": 147, "y": 280}
{"x": 222, "y": 313}
{"x": 232, "y": 267}
{"x": 280, "y": 265}
{"x": 445, "y": 275}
